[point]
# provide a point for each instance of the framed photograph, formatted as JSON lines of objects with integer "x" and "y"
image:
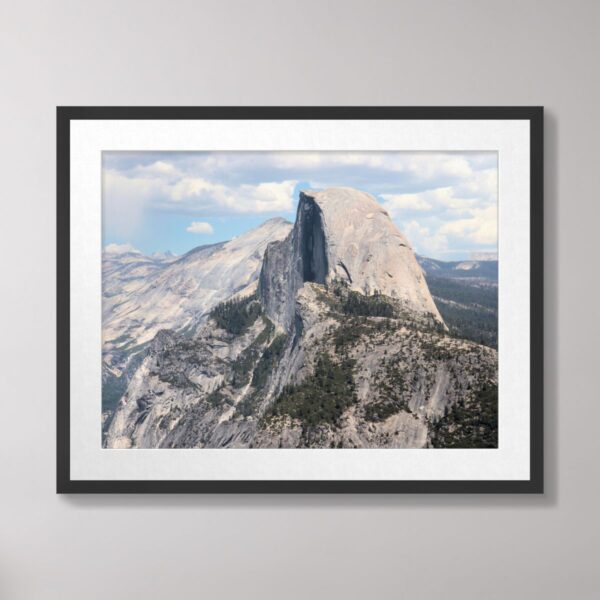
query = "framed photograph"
{"x": 303, "y": 300}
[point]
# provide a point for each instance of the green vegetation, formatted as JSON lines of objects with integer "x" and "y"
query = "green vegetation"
{"x": 349, "y": 333}
{"x": 469, "y": 293}
{"x": 434, "y": 351}
{"x": 217, "y": 397}
{"x": 243, "y": 365}
{"x": 264, "y": 367}
{"x": 391, "y": 386}
{"x": 268, "y": 361}
{"x": 320, "y": 398}
{"x": 175, "y": 378}
{"x": 355, "y": 304}
{"x": 380, "y": 411}
{"x": 469, "y": 424}
{"x": 236, "y": 316}
{"x": 114, "y": 387}
{"x": 469, "y": 310}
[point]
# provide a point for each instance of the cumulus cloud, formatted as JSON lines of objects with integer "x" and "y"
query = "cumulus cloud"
{"x": 199, "y": 195}
{"x": 396, "y": 203}
{"x": 481, "y": 227}
{"x": 200, "y": 227}
{"x": 450, "y": 218}
{"x": 159, "y": 168}
{"x": 445, "y": 202}
{"x": 422, "y": 165}
{"x": 424, "y": 241}
{"x": 222, "y": 167}
{"x": 158, "y": 190}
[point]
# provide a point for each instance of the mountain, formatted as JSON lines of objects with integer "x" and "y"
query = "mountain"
{"x": 341, "y": 345}
{"x": 151, "y": 294}
{"x": 127, "y": 271}
{"x": 465, "y": 269}
{"x": 342, "y": 235}
{"x": 142, "y": 295}
{"x": 466, "y": 294}
{"x": 167, "y": 256}
{"x": 484, "y": 256}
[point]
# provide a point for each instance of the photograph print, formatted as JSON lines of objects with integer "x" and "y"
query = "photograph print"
{"x": 323, "y": 300}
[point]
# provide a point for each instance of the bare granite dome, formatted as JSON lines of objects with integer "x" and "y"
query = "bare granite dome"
{"x": 342, "y": 234}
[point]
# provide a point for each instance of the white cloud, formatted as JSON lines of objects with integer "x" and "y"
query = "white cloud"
{"x": 159, "y": 168}
{"x": 439, "y": 200}
{"x": 423, "y": 165}
{"x": 462, "y": 215}
{"x": 193, "y": 194}
{"x": 267, "y": 197}
{"x": 200, "y": 227}
{"x": 396, "y": 203}
{"x": 200, "y": 195}
{"x": 444, "y": 202}
{"x": 120, "y": 249}
{"x": 482, "y": 185}
{"x": 481, "y": 227}
{"x": 419, "y": 166}
{"x": 423, "y": 240}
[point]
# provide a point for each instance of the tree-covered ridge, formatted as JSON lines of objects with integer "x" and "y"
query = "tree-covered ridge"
{"x": 262, "y": 369}
{"x": 341, "y": 299}
{"x": 361, "y": 320}
{"x": 372, "y": 375}
{"x": 469, "y": 308}
{"x": 322, "y": 397}
{"x": 344, "y": 303}
{"x": 237, "y": 315}
{"x": 469, "y": 423}
{"x": 392, "y": 393}
{"x": 242, "y": 367}
{"x": 359, "y": 305}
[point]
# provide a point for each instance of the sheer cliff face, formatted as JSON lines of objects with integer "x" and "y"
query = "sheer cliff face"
{"x": 288, "y": 264}
{"x": 342, "y": 235}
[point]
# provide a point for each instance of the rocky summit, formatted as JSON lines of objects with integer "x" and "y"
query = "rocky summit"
{"x": 339, "y": 345}
{"x": 343, "y": 235}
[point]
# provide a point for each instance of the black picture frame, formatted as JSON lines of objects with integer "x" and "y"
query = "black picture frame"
{"x": 64, "y": 483}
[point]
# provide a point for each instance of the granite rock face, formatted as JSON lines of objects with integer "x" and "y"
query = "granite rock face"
{"x": 340, "y": 346}
{"x": 174, "y": 294}
{"x": 224, "y": 390}
{"x": 342, "y": 235}
{"x": 143, "y": 295}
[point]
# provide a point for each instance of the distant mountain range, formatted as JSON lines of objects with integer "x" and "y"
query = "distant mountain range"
{"x": 466, "y": 294}
{"x": 325, "y": 333}
{"x": 464, "y": 269}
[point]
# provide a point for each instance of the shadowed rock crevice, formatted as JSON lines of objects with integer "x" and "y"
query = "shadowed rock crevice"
{"x": 312, "y": 244}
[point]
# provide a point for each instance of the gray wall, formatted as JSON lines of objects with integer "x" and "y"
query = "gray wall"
{"x": 397, "y": 53}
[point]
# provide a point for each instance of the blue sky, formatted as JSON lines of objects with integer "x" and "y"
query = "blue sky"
{"x": 445, "y": 203}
